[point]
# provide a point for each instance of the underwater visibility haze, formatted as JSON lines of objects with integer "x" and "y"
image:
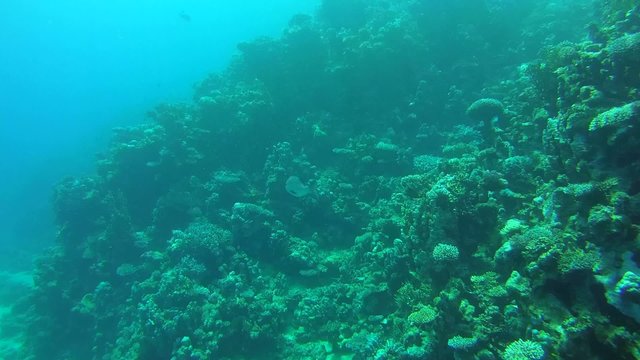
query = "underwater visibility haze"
{"x": 71, "y": 70}
{"x": 379, "y": 179}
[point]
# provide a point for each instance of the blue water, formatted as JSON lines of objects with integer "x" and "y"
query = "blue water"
{"x": 72, "y": 69}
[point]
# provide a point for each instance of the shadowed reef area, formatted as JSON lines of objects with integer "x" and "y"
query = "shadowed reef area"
{"x": 410, "y": 179}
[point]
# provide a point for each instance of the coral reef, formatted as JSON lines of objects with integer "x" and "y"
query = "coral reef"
{"x": 388, "y": 180}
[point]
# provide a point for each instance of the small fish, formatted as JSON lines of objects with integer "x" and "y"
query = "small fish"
{"x": 184, "y": 16}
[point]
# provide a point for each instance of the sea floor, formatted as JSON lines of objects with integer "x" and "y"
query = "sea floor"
{"x": 13, "y": 286}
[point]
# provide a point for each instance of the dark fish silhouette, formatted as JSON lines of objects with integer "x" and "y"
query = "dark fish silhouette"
{"x": 184, "y": 16}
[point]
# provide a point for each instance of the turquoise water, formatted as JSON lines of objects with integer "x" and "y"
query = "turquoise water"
{"x": 72, "y": 70}
{"x": 346, "y": 179}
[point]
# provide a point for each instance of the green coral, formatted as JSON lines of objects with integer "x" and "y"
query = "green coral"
{"x": 462, "y": 343}
{"x": 423, "y": 316}
{"x": 445, "y": 253}
{"x": 485, "y": 109}
{"x": 615, "y": 117}
{"x": 523, "y": 350}
{"x": 577, "y": 260}
{"x": 518, "y": 284}
{"x": 487, "y": 286}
